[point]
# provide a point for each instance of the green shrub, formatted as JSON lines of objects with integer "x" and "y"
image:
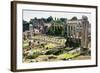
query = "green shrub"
{"x": 33, "y": 55}
{"x": 68, "y": 55}
{"x": 54, "y": 52}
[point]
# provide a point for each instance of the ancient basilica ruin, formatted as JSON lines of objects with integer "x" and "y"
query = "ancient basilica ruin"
{"x": 73, "y": 33}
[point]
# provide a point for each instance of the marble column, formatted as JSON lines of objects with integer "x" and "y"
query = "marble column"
{"x": 31, "y": 31}
{"x": 84, "y": 39}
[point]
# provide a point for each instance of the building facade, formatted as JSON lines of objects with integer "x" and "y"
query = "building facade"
{"x": 79, "y": 29}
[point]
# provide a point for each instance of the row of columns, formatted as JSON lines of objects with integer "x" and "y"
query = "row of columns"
{"x": 73, "y": 33}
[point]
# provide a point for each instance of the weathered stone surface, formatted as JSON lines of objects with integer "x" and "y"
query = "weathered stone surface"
{"x": 42, "y": 58}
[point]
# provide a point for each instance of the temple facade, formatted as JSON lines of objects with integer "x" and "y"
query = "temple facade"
{"x": 80, "y": 29}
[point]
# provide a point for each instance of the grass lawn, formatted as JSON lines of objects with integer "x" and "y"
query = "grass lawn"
{"x": 68, "y": 55}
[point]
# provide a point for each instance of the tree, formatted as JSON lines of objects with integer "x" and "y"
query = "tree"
{"x": 49, "y": 19}
{"x": 45, "y": 20}
{"x": 74, "y": 18}
{"x": 31, "y": 21}
{"x": 25, "y": 25}
{"x": 63, "y": 19}
{"x": 50, "y": 31}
